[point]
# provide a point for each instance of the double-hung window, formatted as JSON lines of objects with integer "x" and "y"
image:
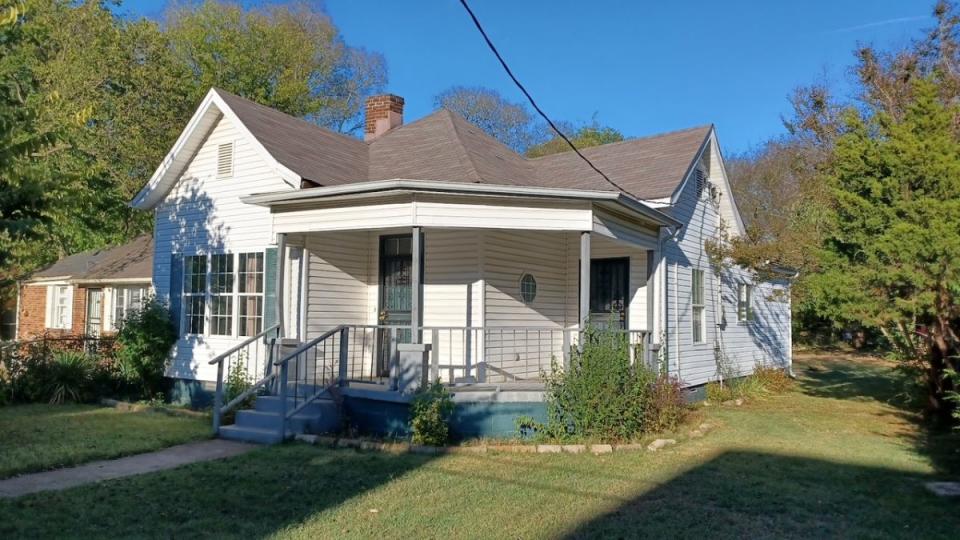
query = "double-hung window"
{"x": 127, "y": 300}
{"x": 744, "y": 302}
{"x": 250, "y": 294}
{"x": 698, "y": 320}
{"x": 59, "y": 306}
{"x": 225, "y": 289}
{"x": 194, "y": 293}
{"x": 221, "y": 295}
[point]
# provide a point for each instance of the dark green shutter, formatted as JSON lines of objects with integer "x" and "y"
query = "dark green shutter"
{"x": 176, "y": 291}
{"x": 270, "y": 287}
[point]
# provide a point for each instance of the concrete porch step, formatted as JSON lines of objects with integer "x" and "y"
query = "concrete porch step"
{"x": 252, "y": 435}
{"x": 298, "y": 423}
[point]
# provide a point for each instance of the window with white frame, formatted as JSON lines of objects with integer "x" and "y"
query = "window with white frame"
{"x": 127, "y": 300}
{"x": 59, "y": 306}
{"x": 698, "y": 320}
{"x": 228, "y": 288}
{"x": 744, "y": 302}
{"x": 250, "y": 294}
{"x": 194, "y": 293}
{"x": 221, "y": 295}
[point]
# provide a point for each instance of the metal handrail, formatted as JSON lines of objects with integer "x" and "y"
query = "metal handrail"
{"x": 302, "y": 348}
{"x": 244, "y": 343}
{"x": 218, "y": 408}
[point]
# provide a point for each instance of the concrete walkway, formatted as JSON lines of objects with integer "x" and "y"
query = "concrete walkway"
{"x": 97, "y": 471}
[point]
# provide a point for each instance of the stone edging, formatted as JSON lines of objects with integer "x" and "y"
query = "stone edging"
{"x": 405, "y": 448}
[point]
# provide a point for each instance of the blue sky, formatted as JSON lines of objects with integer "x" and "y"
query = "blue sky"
{"x": 641, "y": 67}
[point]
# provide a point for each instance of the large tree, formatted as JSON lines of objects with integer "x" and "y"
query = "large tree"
{"x": 290, "y": 57}
{"x": 508, "y": 122}
{"x": 92, "y": 102}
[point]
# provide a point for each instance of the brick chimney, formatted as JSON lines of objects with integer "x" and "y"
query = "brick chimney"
{"x": 384, "y": 112}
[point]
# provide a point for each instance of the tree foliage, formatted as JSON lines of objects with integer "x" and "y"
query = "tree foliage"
{"x": 91, "y": 102}
{"x": 592, "y": 134}
{"x": 864, "y": 197}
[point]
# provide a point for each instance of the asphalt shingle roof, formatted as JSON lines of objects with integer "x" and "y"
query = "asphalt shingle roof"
{"x": 443, "y": 146}
{"x": 133, "y": 260}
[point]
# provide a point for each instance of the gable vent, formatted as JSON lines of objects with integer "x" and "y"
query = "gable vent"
{"x": 701, "y": 178}
{"x": 225, "y": 160}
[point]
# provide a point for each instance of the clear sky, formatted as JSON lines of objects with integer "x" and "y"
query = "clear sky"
{"x": 642, "y": 67}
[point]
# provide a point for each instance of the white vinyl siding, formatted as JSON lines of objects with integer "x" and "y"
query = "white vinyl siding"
{"x": 767, "y": 338}
{"x": 203, "y": 214}
{"x": 59, "y": 309}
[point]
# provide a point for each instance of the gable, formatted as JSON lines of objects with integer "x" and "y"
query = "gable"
{"x": 710, "y": 160}
{"x": 209, "y": 114}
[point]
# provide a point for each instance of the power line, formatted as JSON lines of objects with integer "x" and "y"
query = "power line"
{"x": 536, "y": 107}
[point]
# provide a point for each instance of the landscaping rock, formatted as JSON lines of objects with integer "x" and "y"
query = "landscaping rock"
{"x": 738, "y": 402}
{"x": 477, "y": 449}
{"x": 515, "y": 448}
{"x": 349, "y": 443}
{"x": 728, "y": 403}
{"x": 696, "y": 434}
{"x": 549, "y": 449}
{"x": 307, "y": 438}
{"x": 601, "y": 449}
{"x": 705, "y": 427}
{"x": 660, "y": 443}
{"x": 574, "y": 448}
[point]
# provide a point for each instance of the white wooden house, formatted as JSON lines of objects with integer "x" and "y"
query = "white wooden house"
{"x": 433, "y": 232}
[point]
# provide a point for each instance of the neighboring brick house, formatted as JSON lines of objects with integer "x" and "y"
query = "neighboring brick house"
{"x": 86, "y": 293}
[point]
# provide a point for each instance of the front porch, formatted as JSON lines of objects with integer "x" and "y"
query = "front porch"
{"x": 379, "y": 293}
{"x": 498, "y": 308}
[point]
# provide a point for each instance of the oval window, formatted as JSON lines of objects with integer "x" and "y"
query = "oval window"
{"x": 528, "y": 288}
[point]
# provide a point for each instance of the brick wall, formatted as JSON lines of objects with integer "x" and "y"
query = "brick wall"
{"x": 33, "y": 304}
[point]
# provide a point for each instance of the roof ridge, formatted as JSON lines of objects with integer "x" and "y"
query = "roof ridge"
{"x": 292, "y": 117}
{"x": 456, "y": 129}
{"x": 625, "y": 141}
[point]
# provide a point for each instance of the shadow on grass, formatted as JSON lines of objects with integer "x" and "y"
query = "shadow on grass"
{"x": 249, "y": 496}
{"x": 759, "y": 495}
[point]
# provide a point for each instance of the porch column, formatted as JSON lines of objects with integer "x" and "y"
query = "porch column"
{"x": 281, "y": 268}
{"x": 415, "y": 293}
{"x": 584, "y": 279}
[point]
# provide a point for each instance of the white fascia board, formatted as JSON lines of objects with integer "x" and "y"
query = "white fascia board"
{"x": 170, "y": 169}
{"x": 294, "y": 197}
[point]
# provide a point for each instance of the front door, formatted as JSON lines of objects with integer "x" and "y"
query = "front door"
{"x": 94, "y": 312}
{"x": 396, "y": 295}
{"x": 609, "y": 286}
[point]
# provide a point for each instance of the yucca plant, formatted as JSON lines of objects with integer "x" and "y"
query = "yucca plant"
{"x": 70, "y": 375}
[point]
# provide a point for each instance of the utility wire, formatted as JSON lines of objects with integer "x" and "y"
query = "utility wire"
{"x": 536, "y": 107}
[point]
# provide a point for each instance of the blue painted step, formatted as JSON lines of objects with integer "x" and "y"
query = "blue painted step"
{"x": 262, "y": 424}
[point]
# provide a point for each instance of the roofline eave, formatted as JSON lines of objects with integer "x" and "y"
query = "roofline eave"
{"x": 294, "y": 197}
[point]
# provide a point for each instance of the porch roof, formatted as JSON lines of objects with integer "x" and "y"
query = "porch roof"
{"x": 614, "y": 198}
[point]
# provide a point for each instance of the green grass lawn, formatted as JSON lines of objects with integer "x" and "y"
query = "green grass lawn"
{"x": 833, "y": 458}
{"x": 39, "y": 437}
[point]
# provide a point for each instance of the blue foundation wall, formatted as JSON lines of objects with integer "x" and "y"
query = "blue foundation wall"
{"x": 190, "y": 393}
{"x": 469, "y": 420}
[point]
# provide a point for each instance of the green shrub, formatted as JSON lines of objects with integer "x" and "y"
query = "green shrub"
{"x": 237, "y": 382}
{"x": 668, "y": 407}
{"x": 528, "y": 428}
{"x": 29, "y": 372}
{"x": 601, "y": 396}
{"x": 70, "y": 377}
{"x": 430, "y": 415}
{"x": 144, "y": 341}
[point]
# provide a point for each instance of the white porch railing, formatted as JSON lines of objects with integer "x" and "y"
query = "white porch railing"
{"x": 471, "y": 355}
